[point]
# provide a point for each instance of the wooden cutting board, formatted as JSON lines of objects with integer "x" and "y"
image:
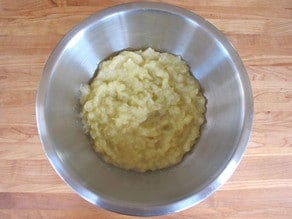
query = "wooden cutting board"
{"x": 260, "y": 30}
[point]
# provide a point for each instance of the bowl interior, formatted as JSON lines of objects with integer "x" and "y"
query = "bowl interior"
{"x": 214, "y": 63}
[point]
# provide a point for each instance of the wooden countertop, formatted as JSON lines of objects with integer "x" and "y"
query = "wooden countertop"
{"x": 261, "y": 31}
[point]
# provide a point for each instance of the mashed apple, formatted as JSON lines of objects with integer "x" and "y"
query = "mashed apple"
{"x": 143, "y": 110}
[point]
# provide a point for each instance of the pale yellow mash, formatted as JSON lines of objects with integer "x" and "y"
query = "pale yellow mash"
{"x": 143, "y": 110}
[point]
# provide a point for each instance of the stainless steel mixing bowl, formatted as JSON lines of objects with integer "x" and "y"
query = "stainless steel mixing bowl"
{"x": 213, "y": 61}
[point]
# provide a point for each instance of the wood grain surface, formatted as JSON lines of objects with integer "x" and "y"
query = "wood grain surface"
{"x": 260, "y": 30}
